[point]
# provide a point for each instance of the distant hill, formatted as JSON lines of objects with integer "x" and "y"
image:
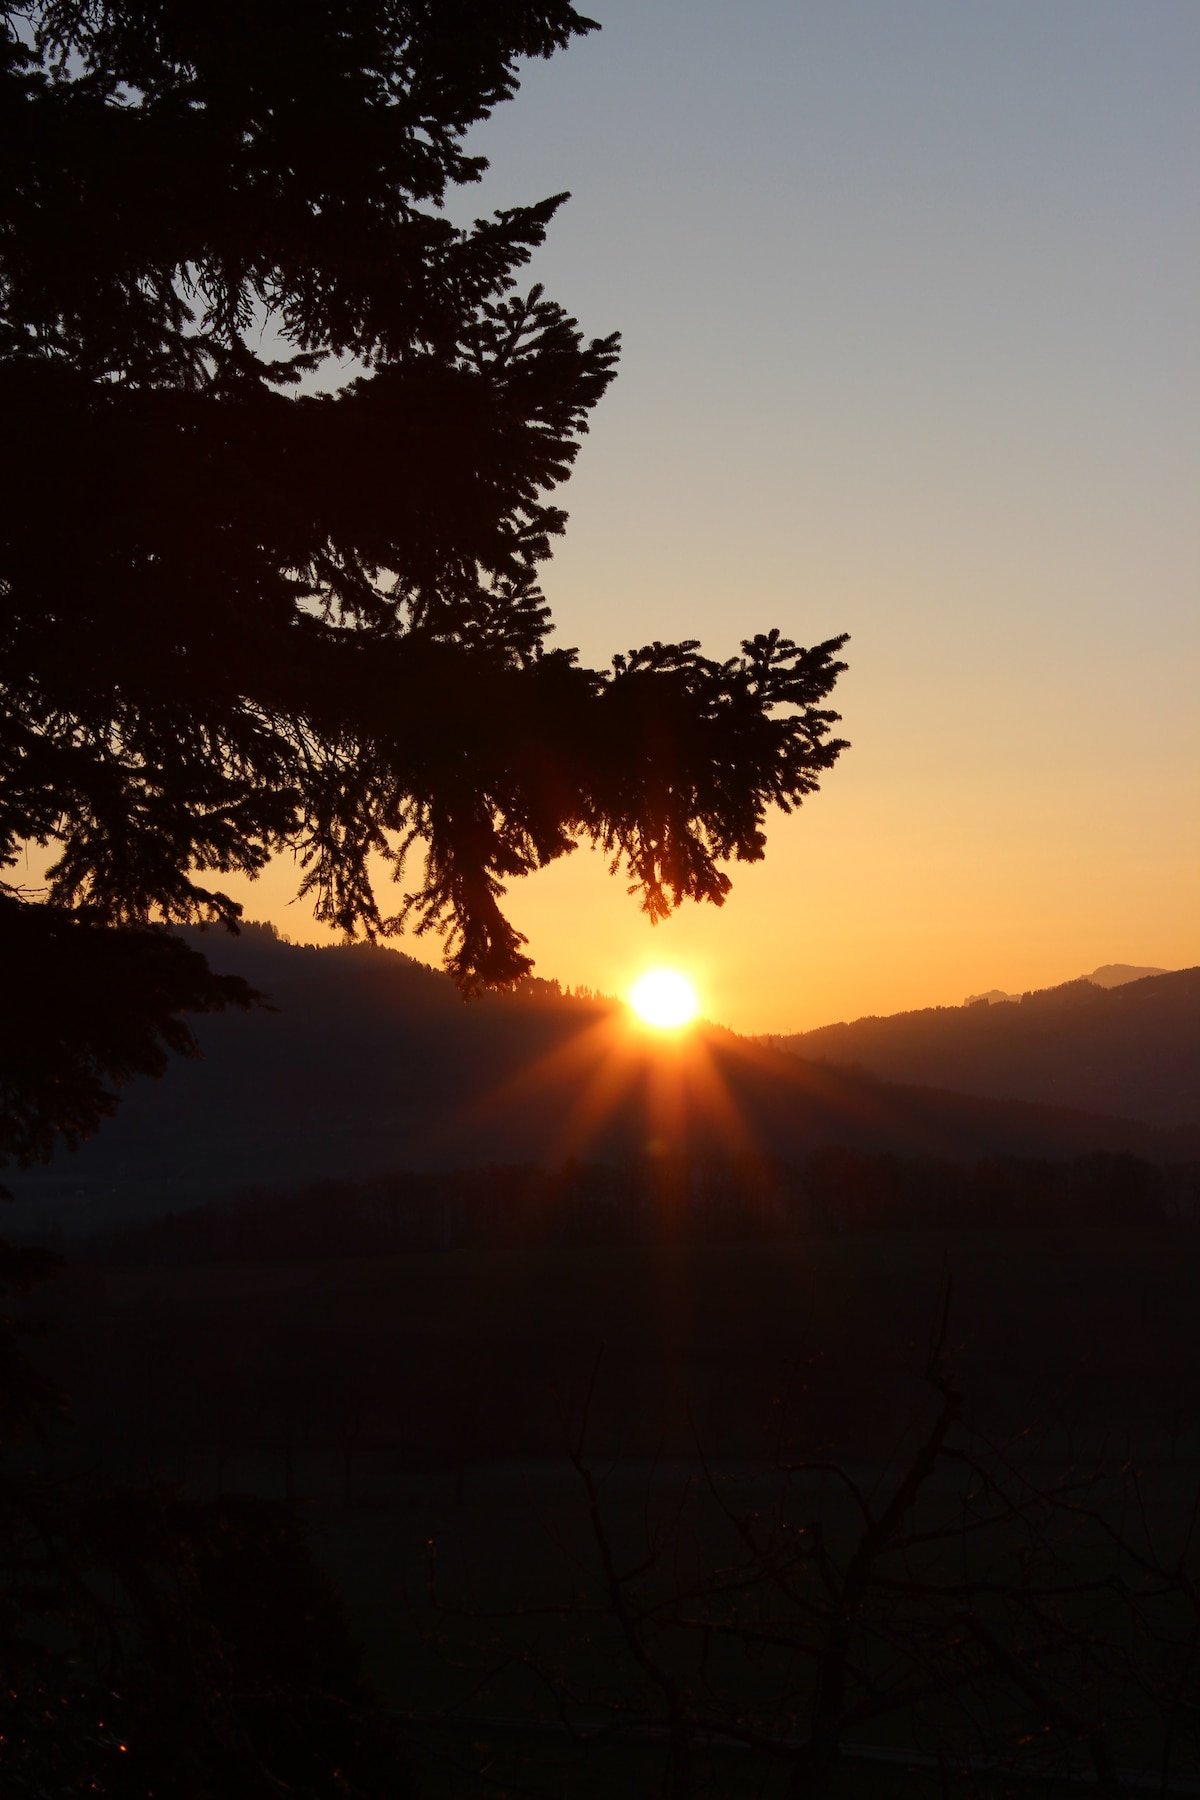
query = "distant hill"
{"x": 1108, "y": 975}
{"x": 1106, "y": 1044}
{"x": 371, "y": 1062}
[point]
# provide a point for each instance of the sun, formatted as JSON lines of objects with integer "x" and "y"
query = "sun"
{"x": 664, "y": 998}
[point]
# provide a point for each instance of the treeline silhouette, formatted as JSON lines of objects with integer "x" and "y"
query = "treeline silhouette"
{"x": 657, "y": 1199}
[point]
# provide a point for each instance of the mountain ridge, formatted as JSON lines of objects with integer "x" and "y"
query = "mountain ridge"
{"x": 371, "y": 1062}
{"x": 1108, "y": 975}
{"x": 1132, "y": 1048}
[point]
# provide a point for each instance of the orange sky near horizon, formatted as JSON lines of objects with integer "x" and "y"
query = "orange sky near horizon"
{"x": 864, "y": 904}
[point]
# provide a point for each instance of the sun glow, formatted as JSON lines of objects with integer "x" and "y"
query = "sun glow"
{"x": 665, "y": 999}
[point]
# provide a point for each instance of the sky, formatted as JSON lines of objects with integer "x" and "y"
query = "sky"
{"x": 909, "y": 293}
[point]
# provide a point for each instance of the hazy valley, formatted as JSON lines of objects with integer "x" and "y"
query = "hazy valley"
{"x": 365, "y": 1062}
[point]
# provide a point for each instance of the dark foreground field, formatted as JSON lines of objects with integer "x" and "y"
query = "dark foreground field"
{"x": 425, "y": 1408}
{"x": 373, "y": 1367}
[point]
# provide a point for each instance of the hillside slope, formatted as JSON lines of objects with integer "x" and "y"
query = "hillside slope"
{"x": 371, "y": 1062}
{"x": 1133, "y": 1049}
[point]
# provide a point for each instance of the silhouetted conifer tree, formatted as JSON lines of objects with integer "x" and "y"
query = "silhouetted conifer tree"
{"x": 246, "y": 609}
